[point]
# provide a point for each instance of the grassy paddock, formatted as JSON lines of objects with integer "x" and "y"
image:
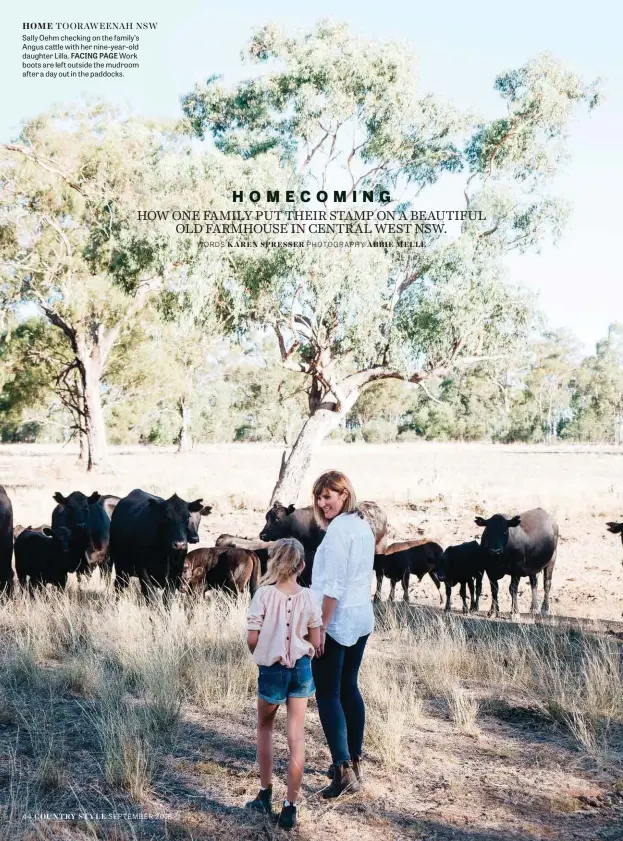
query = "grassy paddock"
{"x": 430, "y": 490}
{"x": 118, "y": 679}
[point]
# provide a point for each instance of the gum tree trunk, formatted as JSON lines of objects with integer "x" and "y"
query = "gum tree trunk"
{"x": 295, "y": 467}
{"x": 184, "y": 443}
{"x": 97, "y": 445}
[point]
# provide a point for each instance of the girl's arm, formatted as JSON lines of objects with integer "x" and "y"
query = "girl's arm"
{"x": 252, "y": 638}
{"x": 255, "y": 620}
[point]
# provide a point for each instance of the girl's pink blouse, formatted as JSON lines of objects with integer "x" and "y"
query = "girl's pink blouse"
{"x": 283, "y": 621}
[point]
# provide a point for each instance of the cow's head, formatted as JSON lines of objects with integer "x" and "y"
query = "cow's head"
{"x": 193, "y": 573}
{"x": 276, "y": 525}
{"x": 77, "y": 509}
{"x": 445, "y": 565}
{"x": 197, "y": 511}
{"x": 99, "y": 535}
{"x": 616, "y": 528}
{"x": 178, "y": 522}
{"x": 495, "y": 534}
{"x": 62, "y": 545}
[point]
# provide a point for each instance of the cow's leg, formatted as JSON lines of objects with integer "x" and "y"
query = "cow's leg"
{"x": 6, "y": 586}
{"x": 513, "y": 590}
{"x": 437, "y": 584}
{"x": 494, "y": 610}
{"x": 534, "y": 607}
{"x": 476, "y": 602}
{"x": 405, "y": 584}
{"x": 106, "y": 572}
{"x": 392, "y": 590}
{"x": 379, "y": 585}
{"x": 463, "y": 592}
{"x": 448, "y": 598}
{"x": 169, "y": 591}
{"x": 148, "y": 584}
{"x": 122, "y": 580}
{"x": 547, "y": 585}
{"x": 472, "y": 601}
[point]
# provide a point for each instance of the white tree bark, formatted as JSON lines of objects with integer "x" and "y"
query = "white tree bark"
{"x": 97, "y": 444}
{"x": 184, "y": 443}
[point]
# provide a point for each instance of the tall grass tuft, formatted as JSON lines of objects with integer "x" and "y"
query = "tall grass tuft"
{"x": 128, "y": 739}
{"x": 393, "y": 707}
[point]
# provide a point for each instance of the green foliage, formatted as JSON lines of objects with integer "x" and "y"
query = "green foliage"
{"x": 341, "y": 110}
{"x": 597, "y": 400}
{"x": 73, "y": 245}
{"x": 31, "y": 359}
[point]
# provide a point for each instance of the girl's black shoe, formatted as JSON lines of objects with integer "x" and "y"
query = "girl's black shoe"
{"x": 263, "y": 802}
{"x": 287, "y": 818}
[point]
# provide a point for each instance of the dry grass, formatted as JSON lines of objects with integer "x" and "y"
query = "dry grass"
{"x": 136, "y": 669}
{"x": 463, "y": 708}
{"x": 394, "y": 707}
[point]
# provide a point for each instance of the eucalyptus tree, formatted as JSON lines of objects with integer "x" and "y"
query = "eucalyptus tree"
{"x": 597, "y": 391}
{"x": 340, "y": 111}
{"x": 72, "y": 241}
{"x": 37, "y": 385}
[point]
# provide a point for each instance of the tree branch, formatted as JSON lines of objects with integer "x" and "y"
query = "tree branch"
{"x": 45, "y": 163}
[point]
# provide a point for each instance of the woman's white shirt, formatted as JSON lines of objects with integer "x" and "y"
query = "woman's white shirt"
{"x": 342, "y": 569}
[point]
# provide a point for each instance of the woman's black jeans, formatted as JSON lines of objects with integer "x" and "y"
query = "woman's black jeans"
{"x": 340, "y": 705}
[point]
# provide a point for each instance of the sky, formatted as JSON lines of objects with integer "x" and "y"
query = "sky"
{"x": 459, "y": 48}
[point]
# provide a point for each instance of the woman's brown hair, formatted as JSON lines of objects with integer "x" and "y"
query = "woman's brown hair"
{"x": 333, "y": 480}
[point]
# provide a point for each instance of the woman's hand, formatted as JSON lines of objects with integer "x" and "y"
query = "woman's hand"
{"x": 320, "y": 646}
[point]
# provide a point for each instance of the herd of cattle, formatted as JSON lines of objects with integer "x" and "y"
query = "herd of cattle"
{"x": 145, "y": 536}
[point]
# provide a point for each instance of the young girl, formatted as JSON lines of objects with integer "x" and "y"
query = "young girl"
{"x": 283, "y": 632}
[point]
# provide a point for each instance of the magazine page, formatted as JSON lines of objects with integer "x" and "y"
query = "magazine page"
{"x": 311, "y": 419}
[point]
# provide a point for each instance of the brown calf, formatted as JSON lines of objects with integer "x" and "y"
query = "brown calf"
{"x": 221, "y": 568}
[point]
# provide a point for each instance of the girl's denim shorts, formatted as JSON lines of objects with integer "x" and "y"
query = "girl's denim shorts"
{"x": 277, "y": 683}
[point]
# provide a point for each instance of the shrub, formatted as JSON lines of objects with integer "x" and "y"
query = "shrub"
{"x": 379, "y": 431}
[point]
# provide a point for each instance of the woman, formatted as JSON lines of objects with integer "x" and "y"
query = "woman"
{"x": 341, "y": 580}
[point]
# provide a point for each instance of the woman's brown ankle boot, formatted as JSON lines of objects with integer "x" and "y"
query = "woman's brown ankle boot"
{"x": 357, "y": 766}
{"x": 344, "y": 780}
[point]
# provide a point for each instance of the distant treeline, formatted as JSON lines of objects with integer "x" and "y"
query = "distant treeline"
{"x": 162, "y": 388}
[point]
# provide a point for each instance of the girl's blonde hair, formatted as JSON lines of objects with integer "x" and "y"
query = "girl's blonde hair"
{"x": 287, "y": 557}
{"x": 333, "y": 480}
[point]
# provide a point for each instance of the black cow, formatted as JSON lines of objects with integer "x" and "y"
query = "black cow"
{"x": 73, "y": 512}
{"x": 289, "y": 521}
{"x": 43, "y": 558}
{"x": 519, "y": 546}
{"x": 282, "y": 521}
{"x": 6, "y": 543}
{"x": 88, "y": 519}
{"x": 420, "y": 558}
{"x": 463, "y": 564}
{"x": 98, "y": 547}
{"x": 149, "y": 538}
{"x": 616, "y": 528}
